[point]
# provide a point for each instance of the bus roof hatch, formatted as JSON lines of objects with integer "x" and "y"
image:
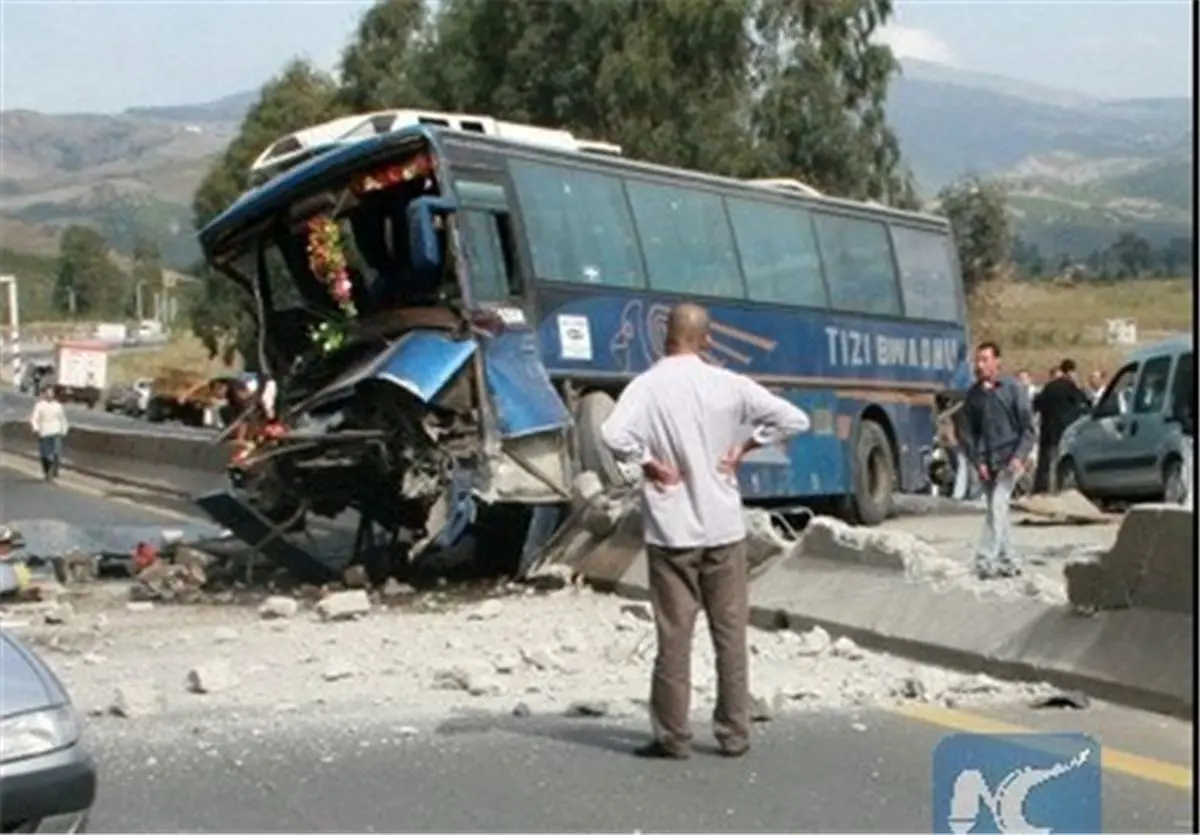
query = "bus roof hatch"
{"x": 296, "y": 147}
{"x": 787, "y": 184}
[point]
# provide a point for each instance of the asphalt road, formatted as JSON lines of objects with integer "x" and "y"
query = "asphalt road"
{"x": 307, "y": 770}
{"x": 56, "y": 519}
{"x": 826, "y": 772}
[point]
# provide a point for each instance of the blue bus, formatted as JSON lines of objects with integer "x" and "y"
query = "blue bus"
{"x": 489, "y": 297}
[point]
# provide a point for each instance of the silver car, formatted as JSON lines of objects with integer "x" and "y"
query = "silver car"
{"x": 1136, "y": 442}
{"x": 47, "y": 779}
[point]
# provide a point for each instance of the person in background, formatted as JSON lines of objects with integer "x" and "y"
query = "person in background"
{"x": 49, "y": 424}
{"x": 998, "y": 437}
{"x": 1026, "y": 379}
{"x": 1054, "y": 373}
{"x": 1059, "y": 404}
{"x": 1095, "y": 386}
{"x": 688, "y": 424}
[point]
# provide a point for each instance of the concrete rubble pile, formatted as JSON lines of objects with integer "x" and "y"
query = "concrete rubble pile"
{"x": 572, "y": 651}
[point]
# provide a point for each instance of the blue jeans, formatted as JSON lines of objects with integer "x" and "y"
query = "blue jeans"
{"x": 965, "y": 479}
{"x": 50, "y": 451}
{"x": 995, "y": 553}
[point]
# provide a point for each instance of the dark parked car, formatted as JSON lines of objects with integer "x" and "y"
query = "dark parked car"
{"x": 47, "y": 779}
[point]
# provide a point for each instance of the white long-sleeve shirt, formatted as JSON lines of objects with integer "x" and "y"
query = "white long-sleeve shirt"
{"x": 689, "y": 414}
{"x": 49, "y": 418}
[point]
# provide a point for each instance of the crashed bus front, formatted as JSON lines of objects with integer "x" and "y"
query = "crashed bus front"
{"x": 406, "y": 390}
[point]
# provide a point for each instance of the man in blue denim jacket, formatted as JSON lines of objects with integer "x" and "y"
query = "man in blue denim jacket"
{"x": 998, "y": 440}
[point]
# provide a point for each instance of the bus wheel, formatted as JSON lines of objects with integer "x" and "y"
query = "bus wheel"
{"x": 874, "y": 475}
{"x": 593, "y": 409}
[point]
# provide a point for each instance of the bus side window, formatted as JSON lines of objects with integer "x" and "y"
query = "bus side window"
{"x": 488, "y": 248}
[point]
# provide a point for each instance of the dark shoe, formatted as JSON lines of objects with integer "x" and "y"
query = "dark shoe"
{"x": 1009, "y": 572}
{"x": 657, "y": 750}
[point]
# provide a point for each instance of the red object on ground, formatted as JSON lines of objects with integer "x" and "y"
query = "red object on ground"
{"x": 143, "y": 555}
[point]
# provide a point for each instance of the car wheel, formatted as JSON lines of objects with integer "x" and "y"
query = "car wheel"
{"x": 1175, "y": 489}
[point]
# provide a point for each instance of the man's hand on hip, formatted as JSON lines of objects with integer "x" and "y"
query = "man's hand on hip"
{"x": 661, "y": 475}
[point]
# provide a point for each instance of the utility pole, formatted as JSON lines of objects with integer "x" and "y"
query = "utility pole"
{"x": 14, "y": 325}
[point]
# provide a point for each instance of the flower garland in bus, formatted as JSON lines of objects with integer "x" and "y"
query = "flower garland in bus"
{"x": 419, "y": 167}
{"x": 327, "y": 261}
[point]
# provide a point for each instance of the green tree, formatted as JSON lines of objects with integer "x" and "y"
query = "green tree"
{"x": 978, "y": 214}
{"x": 1133, "y": 253}
{"x": 380, "y": 68}
{"x": 823, "y": 82}
{"x": 301, "y": 96}
{"x": 87, "y": 281}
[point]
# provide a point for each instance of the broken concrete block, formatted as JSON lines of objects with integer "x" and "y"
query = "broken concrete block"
{"x": 225, "y": 635}
{"x": 278, "y": 606}
{"x": 586, "y": 488}
{"x": 487, "y": 610}
{"x": 339, "y": 670}
{"x": 59, "y": 614}
{"x": 355, "y": 577}
{"x": 764, "y": 541}
{"x": 540, "y": 659}
{"x": 394, "y": 588}
{"x": 344, "y": 605}
{"x": 813, "y": 642}
{"x": 131, "y": 701}
{"x": 587, "y": 708}
{"x": 211, "y": 677}
{"x": 843, "y": 647}
{"x": 832, "y": 539}
{"x": 473, "y": 679}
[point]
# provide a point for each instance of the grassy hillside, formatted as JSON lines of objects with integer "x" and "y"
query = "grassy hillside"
{"x": 1039, "y": 324}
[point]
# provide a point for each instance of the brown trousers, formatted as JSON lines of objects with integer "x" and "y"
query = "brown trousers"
{"x": 681, "y": 581}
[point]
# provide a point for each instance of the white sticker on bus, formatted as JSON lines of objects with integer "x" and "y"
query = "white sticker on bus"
{"x": 574, "y": 337}
{"x": 856, "y": 349}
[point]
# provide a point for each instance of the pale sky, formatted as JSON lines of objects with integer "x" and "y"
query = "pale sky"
{"x": 106, "y": 55}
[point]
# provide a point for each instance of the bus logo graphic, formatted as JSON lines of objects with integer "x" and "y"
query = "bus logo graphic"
{"x": 649, "y": 332}
{"x": 1031, "y": 783}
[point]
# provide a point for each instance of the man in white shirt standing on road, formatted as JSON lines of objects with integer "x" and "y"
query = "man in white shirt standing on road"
{"x": 49, "y": 424}
{"x": 688, "y": 424}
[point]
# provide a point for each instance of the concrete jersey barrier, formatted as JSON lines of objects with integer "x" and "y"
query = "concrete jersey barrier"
{"x": 860, "y": 583}
{"x": 170, "y": 464}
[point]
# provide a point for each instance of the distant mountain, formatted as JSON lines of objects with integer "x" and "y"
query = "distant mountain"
{"x": 1080, "y": 169}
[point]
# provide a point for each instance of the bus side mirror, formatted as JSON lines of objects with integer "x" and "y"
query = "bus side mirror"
{"x": 424, "y": 251}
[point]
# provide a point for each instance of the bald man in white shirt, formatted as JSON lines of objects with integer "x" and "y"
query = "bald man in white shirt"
{"x": 689, "y": 423}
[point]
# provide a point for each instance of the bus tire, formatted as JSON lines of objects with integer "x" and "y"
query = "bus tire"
{"x": 591, "y": 412}
{"x": 873, "y": 477}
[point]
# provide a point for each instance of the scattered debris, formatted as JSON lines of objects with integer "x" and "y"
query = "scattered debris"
{"x": 487, "y": 610}
{"x": 139, "y": 606}
{"x": 338, "y": 671}
{"x": 344, "y": 605}
{"x": 130, "y": 702}
{"x": 278, "y": 607}
{"x": 211, "y": 677}
{"x": 355, "y": 577}
{"x": 590, "y": 709}
{"x": 521, "y": 710}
